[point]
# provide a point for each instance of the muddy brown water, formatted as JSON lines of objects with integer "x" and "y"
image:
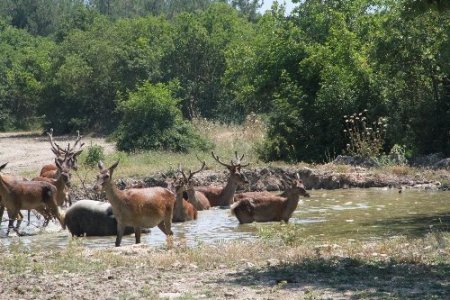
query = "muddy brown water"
{"x": 354, "y": 214}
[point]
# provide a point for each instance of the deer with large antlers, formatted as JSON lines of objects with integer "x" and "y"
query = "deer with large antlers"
{"x": 67, "y": 157}
{"x": 185, "y": 210}
{"x": 266, "y": 207}
{"x": 18, "y": 195}
{"x": 218, "y": 196}
{"x": 197, "y": 198}
{"x": 139, "y": 208}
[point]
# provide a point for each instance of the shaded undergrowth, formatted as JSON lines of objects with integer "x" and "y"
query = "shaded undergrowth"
{"x": 361, "y": 278}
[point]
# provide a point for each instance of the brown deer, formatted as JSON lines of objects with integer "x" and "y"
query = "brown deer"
{"x": 10, "y": 179}
{"x": 183, "y": 210}
{"x": 218, "y": 196}
{"x": 17, "y": 195}
{"x": 197, "y": 198}
{"x": 61, "y": 181}
{"x": 67, "y": 157}
{"x": 266, "y": 207}
{"x": 139, "y": 208}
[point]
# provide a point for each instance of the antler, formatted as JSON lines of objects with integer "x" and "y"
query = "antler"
{"x": 216, "y": 157}
{"x": 77, "y": 141}
{"x": 238, "y": 160}
{"x": 233, "y": 164}
{"x": 56, "y": 149}
{"x": 180, "y": 170}
{"x": 69, "y": 152}
{"x": 191, "y": 174}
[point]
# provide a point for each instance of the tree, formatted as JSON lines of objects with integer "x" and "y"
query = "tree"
{"x": 23, "y": 70}
{"x": 92, "y": 69}
{"x": 152, "y": 120}
{"x": 197, "y": 60}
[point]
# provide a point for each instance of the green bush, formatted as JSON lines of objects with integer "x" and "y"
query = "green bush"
{"x": 94, "y": 154}
{"x": 152, "y": 120}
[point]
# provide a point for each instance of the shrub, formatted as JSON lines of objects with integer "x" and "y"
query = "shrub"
{"x": 94, "y": 154}
{"x": 152, "y": 120}
{"x": 366, "y": 139}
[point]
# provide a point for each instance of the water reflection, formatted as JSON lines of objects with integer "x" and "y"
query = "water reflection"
{"x": 350, "y": 213}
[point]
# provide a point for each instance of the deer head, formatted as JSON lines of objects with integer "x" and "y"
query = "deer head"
{"x": 235, "y": 168}
{"x": 185, "y": 182}
{"x": 105, "y": 175}
{"x": 63, "y": 171}
{"x": 297, "y": 187}
{"x": 69, "y": 155}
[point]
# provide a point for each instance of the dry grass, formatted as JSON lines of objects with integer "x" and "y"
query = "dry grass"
{"x": 75, "y": 258}
{"x": 226, "y": 138}
{"x": 282, "y": 265}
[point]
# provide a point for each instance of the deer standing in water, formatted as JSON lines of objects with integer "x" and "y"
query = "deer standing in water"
{"x": 66, "y": 159}
{"x": 197, "y": 198}
{"x": 10, "y": 179}
{"x": 60, "y": 181}
{"x": 267, "y": 207}
{"x": 139, "y": 208}
{"x": 183, "y": 209}
{"x": 17, "y": 195}
{"x": 224, "y": 197}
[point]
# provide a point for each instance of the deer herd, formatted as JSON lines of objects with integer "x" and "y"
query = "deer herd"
{"x": 135, "y": 210}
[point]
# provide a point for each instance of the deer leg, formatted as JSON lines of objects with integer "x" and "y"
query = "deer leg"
{"x": 162, "y": 226}
{"x": 69, "y": 198}
{"x": 15, "y": 215}
{"x": 55, "y": 212}
{"x": 137, "y": 234}
{"x": 29, "y": 217}
{"x": 120, "y": 230}
{"x": 2, "y": 210}
{"x": 19, "y": 219}
{"x": 166, "y": 225}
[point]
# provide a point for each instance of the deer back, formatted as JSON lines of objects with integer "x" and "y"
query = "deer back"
{"x": 266, "y": 207}
{"x": 198, "y": 199}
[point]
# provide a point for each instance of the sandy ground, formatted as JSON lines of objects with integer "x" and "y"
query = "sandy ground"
{"x": 25, "y": 151}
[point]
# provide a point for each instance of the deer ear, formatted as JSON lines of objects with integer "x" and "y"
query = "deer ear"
{"x": 3, "y": 166}
{"x": 100, "y": 165}
{"x": 111, "y": 169}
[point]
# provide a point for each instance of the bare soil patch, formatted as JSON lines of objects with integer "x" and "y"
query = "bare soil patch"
{"x": 28, "y": 151}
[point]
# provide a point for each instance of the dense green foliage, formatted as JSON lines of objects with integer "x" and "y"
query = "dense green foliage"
{"x": 95, "y": 153}
{"x": 88, "y": 65}
{"x": 152, "y": 120}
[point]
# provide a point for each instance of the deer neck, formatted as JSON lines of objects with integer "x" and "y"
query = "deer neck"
{"x": 292, "y": 200}
{"x": 3, "y": 186}
{"x": 114, "y": 195}
{"x": 178, "y": 209}
{"x": 191, "y": 195}
{"x": 60, "y": 183}
{"x": 227, "y": 194}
